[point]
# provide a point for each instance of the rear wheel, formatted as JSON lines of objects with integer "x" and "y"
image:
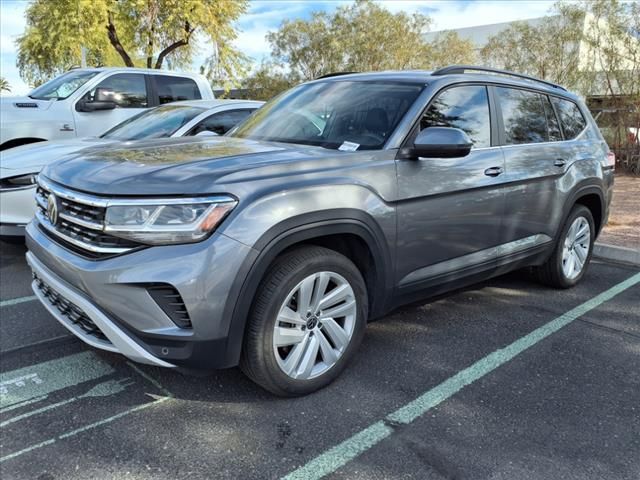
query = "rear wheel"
{"x": 307, "y": 321}
{"x": 569, "y": 261}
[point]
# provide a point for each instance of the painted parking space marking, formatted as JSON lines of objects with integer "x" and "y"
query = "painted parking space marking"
{"x": 27, "y": 383}
{"x": 72, "y": 366}
{"x": 104, "y": 389}
{"x": 23, "y": 404}
{"x": 17, "y": 301}
{"x": 338, "y": 456}
{"x": 150, "y": 379}
{"x": 75, "y": 432}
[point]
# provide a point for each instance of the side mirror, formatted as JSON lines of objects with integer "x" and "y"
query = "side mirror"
{"x": 442, "y": 142}
{"x": 207, "y": 133}
{"x": 102, "y": 95}
{"x": 102, "y": 100}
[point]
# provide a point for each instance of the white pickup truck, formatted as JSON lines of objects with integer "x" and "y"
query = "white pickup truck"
{"x": 87, "y": 102}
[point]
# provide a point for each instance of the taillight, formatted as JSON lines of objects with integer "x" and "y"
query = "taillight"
{"x": 611, "y": 160}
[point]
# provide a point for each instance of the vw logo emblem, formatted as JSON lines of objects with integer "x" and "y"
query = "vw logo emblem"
{"x": 52, "y": 208}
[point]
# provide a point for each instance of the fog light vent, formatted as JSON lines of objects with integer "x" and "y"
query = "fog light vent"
{"x": 171, "y": 303}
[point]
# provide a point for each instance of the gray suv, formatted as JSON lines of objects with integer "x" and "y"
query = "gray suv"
{"x": 339, "y": 200}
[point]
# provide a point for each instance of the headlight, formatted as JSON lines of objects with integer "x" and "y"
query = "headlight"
{"x": 167, "y": 222}
{"x": 19, "y": 182}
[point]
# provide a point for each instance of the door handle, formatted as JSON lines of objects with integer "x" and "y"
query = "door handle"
{"x": 560, "y": 162}
{"x": 493, "y": 171}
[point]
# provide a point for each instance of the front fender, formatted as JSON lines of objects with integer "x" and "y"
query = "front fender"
{"x": 279, "y": 221}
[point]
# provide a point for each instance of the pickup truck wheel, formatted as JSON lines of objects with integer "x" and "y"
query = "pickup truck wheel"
{"x": 306, "y": 323}
{"x": 570, "y": 258}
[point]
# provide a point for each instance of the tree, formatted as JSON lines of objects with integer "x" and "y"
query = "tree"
{"x": 362, "y": 37}
{"x": 268, "y": 81}
{"x": 447, "y": 48}
{"x": 612, "y": 35}
{"x": 595, "y": 50}
{"x": 4, "y": 85}
{"x": 549, "y": 50}
{"x": 148, "y": 33}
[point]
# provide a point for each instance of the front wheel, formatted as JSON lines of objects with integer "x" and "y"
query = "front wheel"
{"x": 569, "y": 261}
{"x": 307, "y": 321}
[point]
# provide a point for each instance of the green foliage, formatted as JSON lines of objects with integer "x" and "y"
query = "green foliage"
{"x": 548, "y": 51}
{"x": 4, "y": 85}
{"x": 144, "y": 33}
{"x": 362, "y": 37}
{"x": 268, "y": 81}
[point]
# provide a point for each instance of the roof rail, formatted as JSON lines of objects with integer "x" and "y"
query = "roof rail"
{"x": 334, "y": 74}
{"x": 455, "y": 69}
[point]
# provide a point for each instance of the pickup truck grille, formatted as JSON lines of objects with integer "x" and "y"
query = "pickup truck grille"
{"x": 79, "y": 222}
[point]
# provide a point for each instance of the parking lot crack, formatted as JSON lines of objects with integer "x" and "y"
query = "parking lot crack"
{"x": 609, "y": 329}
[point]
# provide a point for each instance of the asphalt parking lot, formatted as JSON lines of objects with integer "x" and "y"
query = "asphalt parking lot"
{"x": 504, "y": 380}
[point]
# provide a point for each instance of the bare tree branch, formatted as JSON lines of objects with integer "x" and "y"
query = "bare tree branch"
{"x": 180, "y": 43}
{"x": 113, "y": 38}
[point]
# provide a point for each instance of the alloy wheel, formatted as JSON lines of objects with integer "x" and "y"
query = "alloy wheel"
{"x": 576, "y": 248}
{"x": 314, "y": 326}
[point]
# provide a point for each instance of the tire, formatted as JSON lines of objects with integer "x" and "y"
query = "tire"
{"x": 282, "y": 360}
{"x": 555, "y": 271}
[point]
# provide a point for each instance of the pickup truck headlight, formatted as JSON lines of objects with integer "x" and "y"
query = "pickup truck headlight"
{"x": 18, "y": 182}
{"x": 168, "y": 221}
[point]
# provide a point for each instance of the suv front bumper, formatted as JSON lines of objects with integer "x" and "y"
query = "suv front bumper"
{"x": 65, "y": 304}
{"x": 112, "y": 295}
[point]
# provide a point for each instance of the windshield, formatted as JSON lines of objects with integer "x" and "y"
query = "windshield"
{"x": 155, "y": 123}
{"x": 345, "y": 115}
{"x": 61, "y": 87}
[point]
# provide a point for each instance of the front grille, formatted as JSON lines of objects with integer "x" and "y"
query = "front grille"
{"x": 70, "y": 310}
{"x": 79, "y": 225}
{"x": 171, "y": 303}
{"x": 82, "y": 212}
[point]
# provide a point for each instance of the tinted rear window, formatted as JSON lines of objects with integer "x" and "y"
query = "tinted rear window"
{"x": 570, "y": 117}
{"x": 174, "y": 89}
{"x": 523, "y": 115}
{"x": 555, "y": 134}
{"x": 222, "y": 122}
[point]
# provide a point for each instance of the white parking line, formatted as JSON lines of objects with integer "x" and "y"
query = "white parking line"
{"x": 26, "y": 383}
{"x": 336, "y": 457}
{"x": 82, "y": 429}
{"x": 69, "y": 367}
{"x": 16, "y": 301}
{"x": 22, "y": 404}
{"x": 104, "y": 389}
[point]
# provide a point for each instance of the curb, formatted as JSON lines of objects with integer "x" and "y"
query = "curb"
{"x": 617, "y": 254}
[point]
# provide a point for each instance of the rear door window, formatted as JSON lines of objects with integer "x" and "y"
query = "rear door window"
{"x": 222, "y": 122}
{"x": 573, "y": 123}
{"x": 174, "y": 89}
{"x": 555, "y": 134}
{"x": 523, "y": 116}
{"x": 466, "y": 108}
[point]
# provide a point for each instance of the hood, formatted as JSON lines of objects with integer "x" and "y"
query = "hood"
{"x": 182, "y": 166}
{"x": 32, "y": 157}
{"x": 22, "y": 106}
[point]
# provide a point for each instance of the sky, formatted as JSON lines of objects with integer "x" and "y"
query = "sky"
{"x": 266, "y": 15}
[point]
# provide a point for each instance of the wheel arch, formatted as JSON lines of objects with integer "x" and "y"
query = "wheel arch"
{"x": 592, "y": 197}
{"x": 337, "y": 230}
{"x": 18, "y": 142}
